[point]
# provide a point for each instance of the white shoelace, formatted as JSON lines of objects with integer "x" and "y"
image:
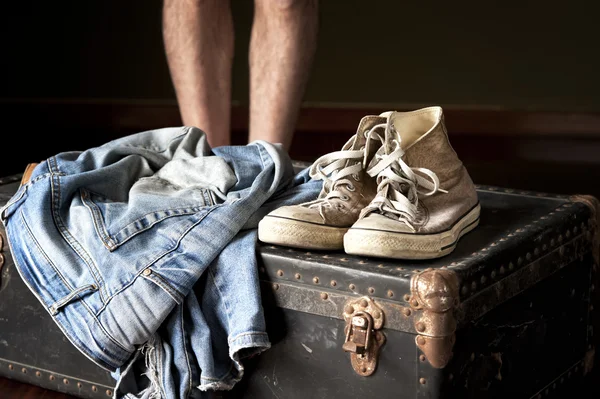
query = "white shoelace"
{"x": 336, "y": 168}
{"x": 398, "y": 187}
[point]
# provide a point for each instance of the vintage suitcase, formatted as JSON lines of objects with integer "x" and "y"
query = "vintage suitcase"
{"x": 509, "y": 314}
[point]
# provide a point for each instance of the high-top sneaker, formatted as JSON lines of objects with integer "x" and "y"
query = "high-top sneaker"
{"x": 347, "y": 189}
{"x": 425, "y": 198}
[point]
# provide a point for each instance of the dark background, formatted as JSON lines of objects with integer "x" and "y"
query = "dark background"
{"x": 518, "y": 80}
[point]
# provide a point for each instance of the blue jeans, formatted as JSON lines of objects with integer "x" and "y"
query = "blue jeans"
{"x": 143, "y": 252}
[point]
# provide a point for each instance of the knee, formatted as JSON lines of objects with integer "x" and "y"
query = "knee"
{"x": 286, "y": 5}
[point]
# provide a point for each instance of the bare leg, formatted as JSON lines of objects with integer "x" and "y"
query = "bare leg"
{"x": 198, "y": 37}
{"x": 282, "y": 47}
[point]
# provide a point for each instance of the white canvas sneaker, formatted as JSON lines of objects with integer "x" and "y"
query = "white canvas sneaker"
{"x": 425, "y": 197}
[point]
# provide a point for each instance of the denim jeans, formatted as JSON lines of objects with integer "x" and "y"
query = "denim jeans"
{"x": 143, "y": 250}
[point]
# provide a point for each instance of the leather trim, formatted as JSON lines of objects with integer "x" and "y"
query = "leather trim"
{"x": 594, "y": 204}
{"x": 27, "y": 174}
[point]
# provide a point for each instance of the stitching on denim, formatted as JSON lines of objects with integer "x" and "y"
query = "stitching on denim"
{"x": 157, "y": 359}
{"x": 212, "y": 276}
{"x": 71, "y": 337}
{"x": 70, "y": 239}
{"x": 241, "y": 335}
{"x": 162, "y": 283}
{"x": 48, "y": 260}
{"x": 65, "y": 300}
{"x": 92, "y": 269}
{"x": 225, "y": 375}
{"x": 70, "y": 288}
{"x": 188, "y": 389}
{"x": 96, "y": 218}
{"x": 119, "y": 290}
{"x": 260, "y": 153}
{"x": 169, "y": 214}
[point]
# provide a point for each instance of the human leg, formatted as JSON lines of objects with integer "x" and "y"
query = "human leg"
{"x": 282, "y": 47}
{"x": 199, "y": 37}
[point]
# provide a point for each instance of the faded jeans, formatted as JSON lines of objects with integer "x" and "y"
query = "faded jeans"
{"x": 143, "y": 250}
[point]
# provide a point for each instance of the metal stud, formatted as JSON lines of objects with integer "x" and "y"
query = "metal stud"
{"x": 390, "y": 293}
{"x": 324, "y": 296}
{"x": 316, "y": 280}
{"x": 333, "y": 283}
{"x": 371, "y": 290}
{"x": 280, "y": 273}
{"x": 298, "y": 276}
{"x": 352, "y": 287}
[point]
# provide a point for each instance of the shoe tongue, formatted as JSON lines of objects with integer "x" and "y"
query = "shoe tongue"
{"x": 366, "y": 123}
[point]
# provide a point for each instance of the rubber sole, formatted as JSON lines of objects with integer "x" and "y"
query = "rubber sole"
{"x": 389, "y": 244}
{"x": 299, "y": 234}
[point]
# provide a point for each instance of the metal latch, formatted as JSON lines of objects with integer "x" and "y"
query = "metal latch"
{"x": 364, "y": 319}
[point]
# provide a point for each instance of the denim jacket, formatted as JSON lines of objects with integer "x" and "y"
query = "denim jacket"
{"x": 143, "y": 252}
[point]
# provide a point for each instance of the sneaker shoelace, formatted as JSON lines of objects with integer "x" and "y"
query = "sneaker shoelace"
{"x": 337, "y": 168}
{"x": 399, "y": 186}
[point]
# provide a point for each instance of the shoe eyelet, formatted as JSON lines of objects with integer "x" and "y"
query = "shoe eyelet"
{"x": 344, "y": 198}
{"x": 356, "y": 177}
{"x": 351, "y": 187}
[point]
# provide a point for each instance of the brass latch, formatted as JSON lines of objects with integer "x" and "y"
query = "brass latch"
{"x": 364, "y": 319}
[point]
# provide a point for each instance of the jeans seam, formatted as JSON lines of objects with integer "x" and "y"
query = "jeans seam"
{"x": 188, "y": 389}
{"x": 212, "y": 275}
{"x": 68, "y": 237}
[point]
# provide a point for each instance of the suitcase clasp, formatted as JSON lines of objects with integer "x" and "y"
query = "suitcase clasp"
{"x": 363, "y": 340}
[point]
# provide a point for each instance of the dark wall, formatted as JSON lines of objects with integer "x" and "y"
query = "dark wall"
{"x": 527, "y": 54}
